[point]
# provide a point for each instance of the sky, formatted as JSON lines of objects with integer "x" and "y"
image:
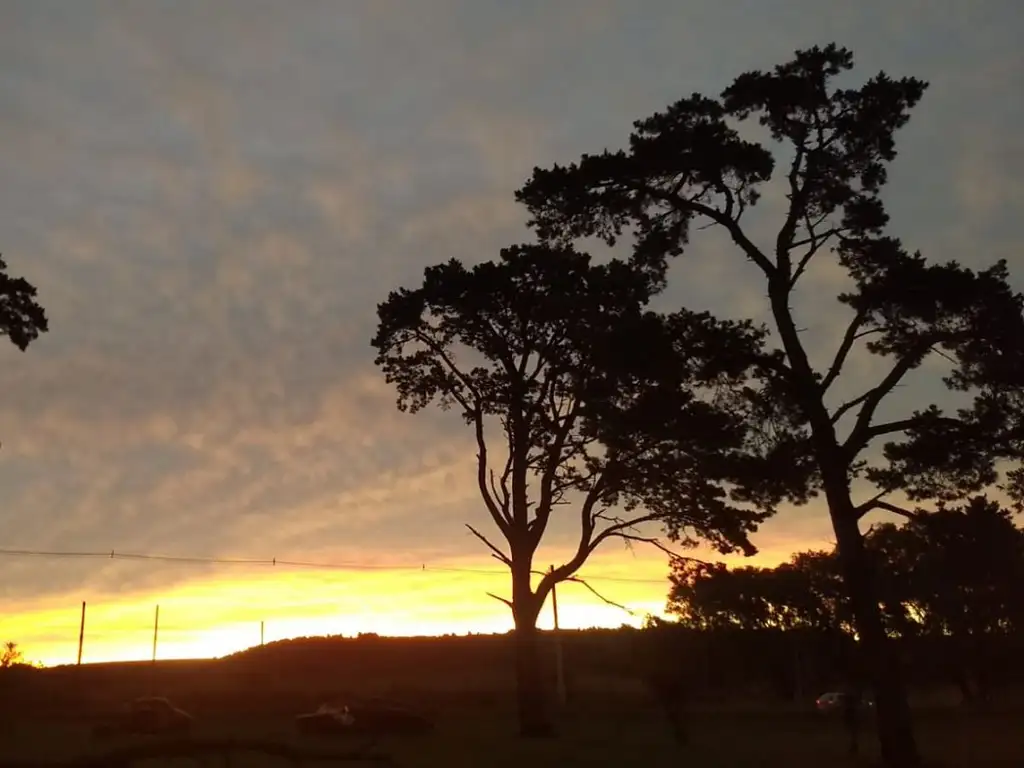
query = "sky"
{"x": 212, "y": 198}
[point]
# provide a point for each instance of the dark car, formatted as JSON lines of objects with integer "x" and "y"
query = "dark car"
{"x": 147, "y": 715}
{"x": 381, "y": 718}
{"x": 368, "y": 718}
{"x": 325, "y": 720}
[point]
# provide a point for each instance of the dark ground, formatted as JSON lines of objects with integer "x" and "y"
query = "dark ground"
{"x": 462, "y": 685}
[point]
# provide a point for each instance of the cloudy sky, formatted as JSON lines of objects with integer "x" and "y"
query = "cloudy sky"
{"x": 213, "y": 197}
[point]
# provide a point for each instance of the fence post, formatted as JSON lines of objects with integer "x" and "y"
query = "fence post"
{"x": 156, "y": 630}
{"x": 81, "y": 635}
{"x": 559, "y": 657}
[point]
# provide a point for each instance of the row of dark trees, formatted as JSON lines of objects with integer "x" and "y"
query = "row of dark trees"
{"x": 585, "y": 403}
{"x": 949, "y": 593}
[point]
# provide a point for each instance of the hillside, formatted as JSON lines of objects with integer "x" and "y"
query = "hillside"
{"x": 291, "y": 675}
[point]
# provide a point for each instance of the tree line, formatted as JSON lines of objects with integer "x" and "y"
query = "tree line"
{"x": 949, "y": 588}
{"x": 585, "y": 402}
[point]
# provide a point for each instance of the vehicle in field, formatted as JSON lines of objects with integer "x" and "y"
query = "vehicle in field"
{"x": 147, "y": 715}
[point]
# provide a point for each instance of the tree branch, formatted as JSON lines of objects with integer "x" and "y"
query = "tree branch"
{"x": 598, "y": 595}
{"x": 618, "y": 528}
{"x": 878, "y": 503}
{"x": 554, "y": 461}
{"x": 502, "y": 600}
{"x": 844, "y": 350}
{"x": 783, "y": 243}
{"x": 848, "y": 406}
{"x": 735, "y": 231}
{"x": 903, "y": 425}
{"x": 588, "y": 543}
{"x": 656, "y": 542}
{"x": 438, "y": 350}
{"x": 494, "y": 549}
{"x": 500, "y": 516}
{"x": 860, "y": 435}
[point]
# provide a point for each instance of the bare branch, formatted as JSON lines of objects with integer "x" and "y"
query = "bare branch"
{"x": 656, "y": 542}
{"x": 862, "y": 509}
{"x": 849, "y": 405}
{"x": 860, "y": 435}
{"x": 902, "y": 425}
{"x": 844, "y": 350}
{"x": 554, "y": 461}
{"x": 438, "y": 350}
{"x": 502, "y": 502}
{"x": 598, "y": 595}
{"x": 783, "y": 243}
{"x": 501, "y": 600}
{"x": 878, "y": 503}
{"x": 814, "y": 238}
{"x": 501, "y": 517}
{"x": 494, "y": 549}
{"x": 721, "y": 218}
{"x": 618, "y": 528}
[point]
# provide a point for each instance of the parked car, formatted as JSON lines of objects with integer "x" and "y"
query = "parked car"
{"x": 326, "y": 719}
{"x": 834, "y": 701}
{"x": 148, "y": 715}
{"x": 386, "y": 718}
{"x": 376, "y": 718}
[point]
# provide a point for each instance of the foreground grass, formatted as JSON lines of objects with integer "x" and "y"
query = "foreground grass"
{"x": 465, "y": 739}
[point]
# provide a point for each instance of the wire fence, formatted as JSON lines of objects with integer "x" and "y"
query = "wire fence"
{"x": 201, "y": 627}
{"x": 273, "y": 562}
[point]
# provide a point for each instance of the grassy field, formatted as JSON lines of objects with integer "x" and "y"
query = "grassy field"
{"x": 482, "y": 739}
{"x": 464, "y": 685}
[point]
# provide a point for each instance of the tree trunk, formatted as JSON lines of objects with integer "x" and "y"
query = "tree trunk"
{"x": 883, "y": 666}
{"x": 895, "y": 731}
{"x": 531, "y": 701}
{"x": 530, "y": 695}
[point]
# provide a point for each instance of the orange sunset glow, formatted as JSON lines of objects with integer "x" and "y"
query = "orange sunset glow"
{"x": 221, "y": 615}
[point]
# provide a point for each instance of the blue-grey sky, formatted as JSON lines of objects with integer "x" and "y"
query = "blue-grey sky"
{"x": 212, "y": 197}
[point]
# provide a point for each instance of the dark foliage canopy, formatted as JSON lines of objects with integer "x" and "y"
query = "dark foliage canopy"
{"x": 22, "y": 319}
{"x": 578, "y": 394}
{"x": 954, "y": 572}
{"x": 690, "y": 165}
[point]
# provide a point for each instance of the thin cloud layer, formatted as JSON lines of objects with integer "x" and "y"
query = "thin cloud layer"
{"x": 213, "y": 199}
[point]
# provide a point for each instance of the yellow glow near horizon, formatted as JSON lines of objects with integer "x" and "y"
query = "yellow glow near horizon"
{"x": 215, "y": 617}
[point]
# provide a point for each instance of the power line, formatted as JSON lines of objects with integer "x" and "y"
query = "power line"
{"x": 273, "y": 562}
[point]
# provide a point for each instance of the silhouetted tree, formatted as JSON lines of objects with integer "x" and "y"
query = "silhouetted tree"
{"x": 960, "y": 568}
{"x": 11, "y": 655}
{"x": 689, "y": 165}
{"x": 804, "y": 593}
{"x": 22, "y": 319}
{"x": 578, "y": 396}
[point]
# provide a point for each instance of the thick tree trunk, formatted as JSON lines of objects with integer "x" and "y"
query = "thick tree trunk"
{"x": 531, "y": 699}
{"x": 883, "y": 666}
{"x": 895, "y": 730}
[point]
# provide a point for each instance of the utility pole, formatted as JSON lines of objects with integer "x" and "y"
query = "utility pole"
{"x": 261, "y": 633}
{"x": 81, "y": 634}
{"x": 559, "y": 658}
{"x": 156, "y": 630}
